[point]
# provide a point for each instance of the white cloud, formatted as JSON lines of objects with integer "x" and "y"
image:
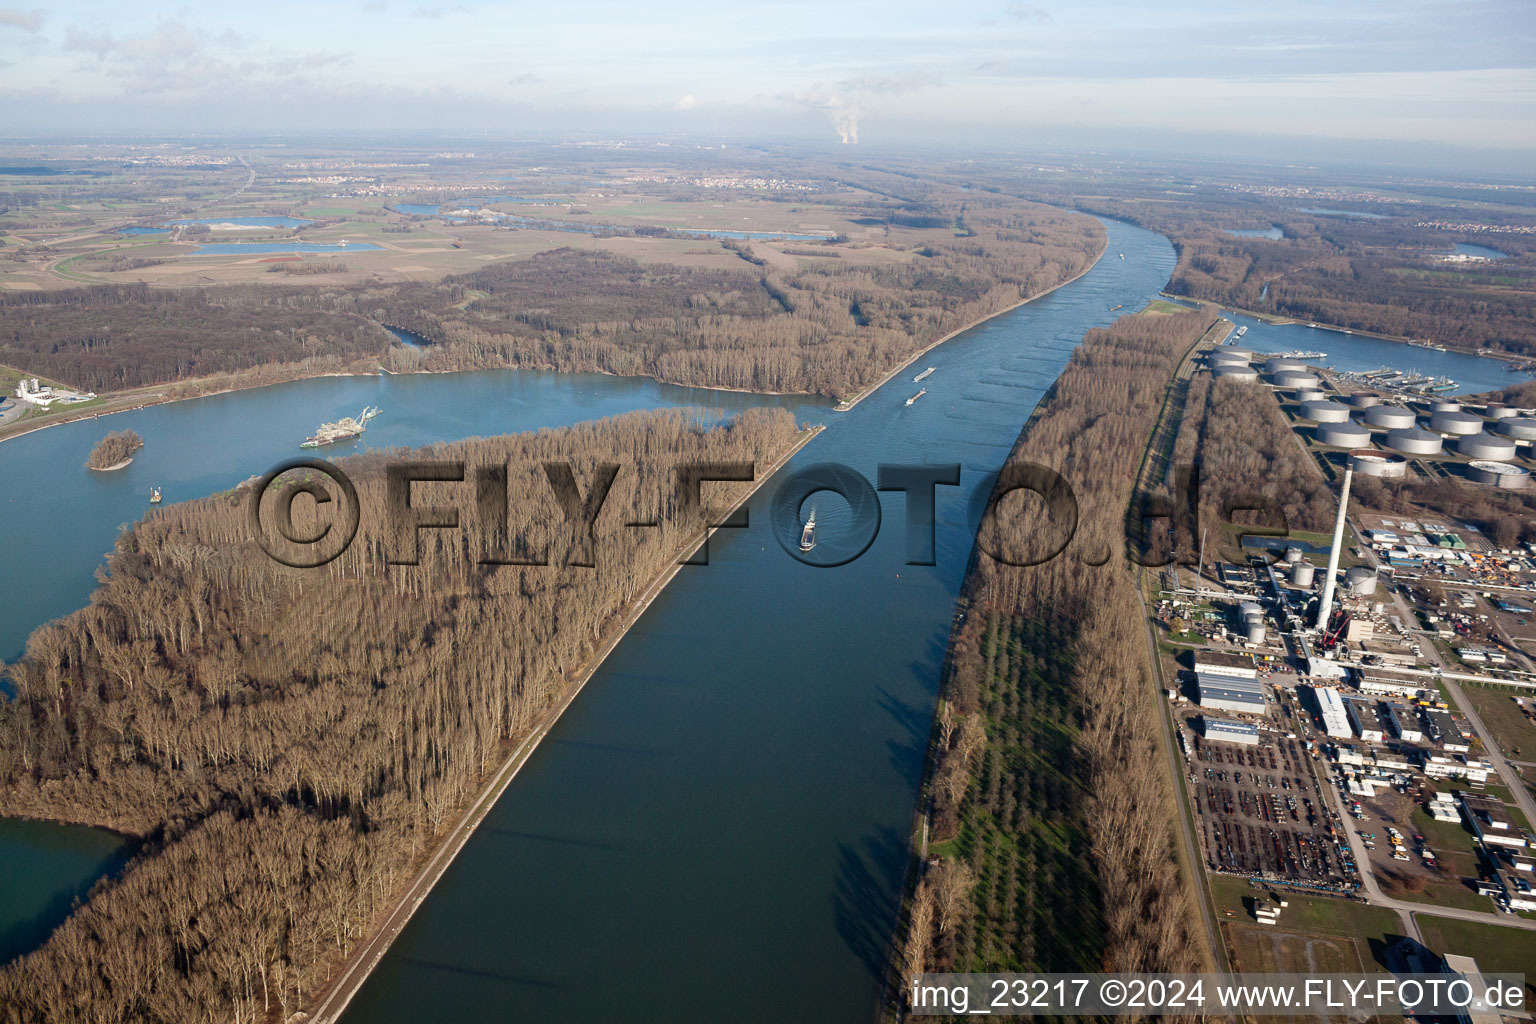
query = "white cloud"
{"x": 688, "y": 102}
{"x": 27, "y": 21}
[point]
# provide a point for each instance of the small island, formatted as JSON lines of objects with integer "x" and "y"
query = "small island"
{"x": 114, "y": 451}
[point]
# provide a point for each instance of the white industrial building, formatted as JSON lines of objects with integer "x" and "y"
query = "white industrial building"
{"x": 1230, "y": 693}
{"x": 1403, "y": 725}
{"x": 1224, "y": 730}
{"x": 1331, "y": 706}
{"x": 1238, "y": 666}
{"x": 1363, "y": 720}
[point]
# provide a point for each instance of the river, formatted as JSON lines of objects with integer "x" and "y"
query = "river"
{"x": 717, "y": 829}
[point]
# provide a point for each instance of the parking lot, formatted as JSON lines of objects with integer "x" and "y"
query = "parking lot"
{"x": 1261, "y": 813}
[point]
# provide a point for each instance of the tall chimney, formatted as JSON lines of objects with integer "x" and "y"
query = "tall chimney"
{"x": 1333, "y": 555}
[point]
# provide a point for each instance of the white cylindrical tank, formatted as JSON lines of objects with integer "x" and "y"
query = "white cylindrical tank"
{"x": 1412, "y": 441}
{"x": 1280, "y": 365}
{"x": 1502, "y": 412}
{"x": 1444, "y": 405}
{"x": 1325, "y": 411}
{"x": 1343, "y": 435}
{"x": 1296, "y": 380}
{"x": 1293, "y": 554}
{"x": 1360, "y": 580}
{"x": 1364, "y": 400}
{"x": 1310, "y": 395}
{"x": 1385, "y": 465}
{"x": 1392, "y": 417}
{"x": 1219, "y": 357}
{"x": 1497, "y": 474}
{"x": 1255, "y": 632}
{"x": 1235, "y": 371}
{"x": 1302, "y": 573}
{"x": 1453, "y": 422}
{"x": 1487, "y": 446}
{"x": 1241, "y": 353}
{"x": 1522, "y": 428}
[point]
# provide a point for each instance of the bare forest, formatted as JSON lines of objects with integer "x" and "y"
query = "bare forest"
{"x": 284, "y": 776}
{"x": 1051, "y": 809}
{"x": 831, "y": 327}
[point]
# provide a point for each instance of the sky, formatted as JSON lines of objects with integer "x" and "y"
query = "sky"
{"x": 1458, "y": 74}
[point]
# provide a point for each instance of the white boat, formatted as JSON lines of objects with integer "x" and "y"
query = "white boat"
{"x": 924, "y": 375}
{"x": 808, "y": 535}
{"x": 915, "y": 397}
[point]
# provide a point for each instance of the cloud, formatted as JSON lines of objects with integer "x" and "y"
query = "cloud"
{"x": 526, "y": 78}
{"x": 180, "y": 58}
{"x": 438, "y": 12}
{"x": 1029, "y": 12}
{"x": 687, "y": 102}
{"x": 27, "y": 21}
{"x": 375, "y": 6}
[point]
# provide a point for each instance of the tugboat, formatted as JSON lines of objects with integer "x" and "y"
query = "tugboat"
{"x": 915, "y": 397}
{"x": 808, "y": 535}
{"x": 154, "y": 495}
{"x": 343, "y": 429}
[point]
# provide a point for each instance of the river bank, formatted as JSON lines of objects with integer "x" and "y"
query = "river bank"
{"x": 849, "y": 403}
{"x": 356, "y": 969}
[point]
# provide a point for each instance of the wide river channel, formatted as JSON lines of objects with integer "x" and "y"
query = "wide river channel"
{"x": 717, "y": 829}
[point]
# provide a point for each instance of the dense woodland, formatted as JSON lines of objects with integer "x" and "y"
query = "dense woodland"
{"x": 832, "y": 328}
{"x": 285, "y": 773}
{"x": 1051, "y": 805}
{"x": 1247, "y": 456}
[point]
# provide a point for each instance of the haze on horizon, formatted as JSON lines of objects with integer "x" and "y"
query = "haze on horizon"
{"x": 1382, "y": 76}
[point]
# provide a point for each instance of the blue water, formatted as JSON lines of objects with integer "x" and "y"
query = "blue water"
{"x": 1323, "y": 211}
{"x": 1269, "y": 232}
{"x": 1359, "y": 352}
{"x": 143, "y": 231}
{"x": 717, "y": 829}
{"x": 1468, "y": 249}
{"x": 44, "y": 869}
{"x": 266, "y": 222}
{"x": 258, "y": 248}
{"x": 430, "y": 209}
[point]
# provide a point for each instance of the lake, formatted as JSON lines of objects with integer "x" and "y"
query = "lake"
{"x": 1468, "y": 249}
{"x": 1269, "y": 232}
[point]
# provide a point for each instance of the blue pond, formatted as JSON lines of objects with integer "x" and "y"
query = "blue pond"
{"x": 1468, "y": 249}
{"x": 136, "y": 230}
{"x": 1269, "y": 232}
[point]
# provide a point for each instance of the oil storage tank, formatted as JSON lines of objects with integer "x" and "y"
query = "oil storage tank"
{"x": 1302, "y": 573}
{"x": 1521, "y": 428}
{"x": 1497, "y": 474}
{"x": 1444, "y": 405}
{"x": 1310, "y": 395}
{"x": 1363, "y": 400}
{"x": 1393, "y": 417}
{"x": 1235, "y": 371}
{"x": 1324, "y": 411}
{"x": 1385, "y": 465}
{"x": 1296, "y": 380}
{"x": 1360, "y": 581}
{"x": 1343, "y": 435}
{"x": 1280, "y": 365}
{"x": 1487, "y": 446}
{"x": 1456, "y": 422}
{"x": 1413, "y": 441}
{"x": 1502, "y": 412}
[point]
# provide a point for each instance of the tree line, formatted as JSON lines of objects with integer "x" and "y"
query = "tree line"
{"x": 287, "y": 744}
{"x": 1050, "y": 801}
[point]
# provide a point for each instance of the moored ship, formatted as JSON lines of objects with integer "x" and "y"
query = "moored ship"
{"x": 343, "y": 429}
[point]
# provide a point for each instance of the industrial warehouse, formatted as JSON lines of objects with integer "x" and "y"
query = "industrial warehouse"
{"x": 1320, "y": 698}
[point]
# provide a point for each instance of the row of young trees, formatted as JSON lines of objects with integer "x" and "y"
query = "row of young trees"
{"x": 1051, "y": 806}
{"x": 287, "y": 743}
